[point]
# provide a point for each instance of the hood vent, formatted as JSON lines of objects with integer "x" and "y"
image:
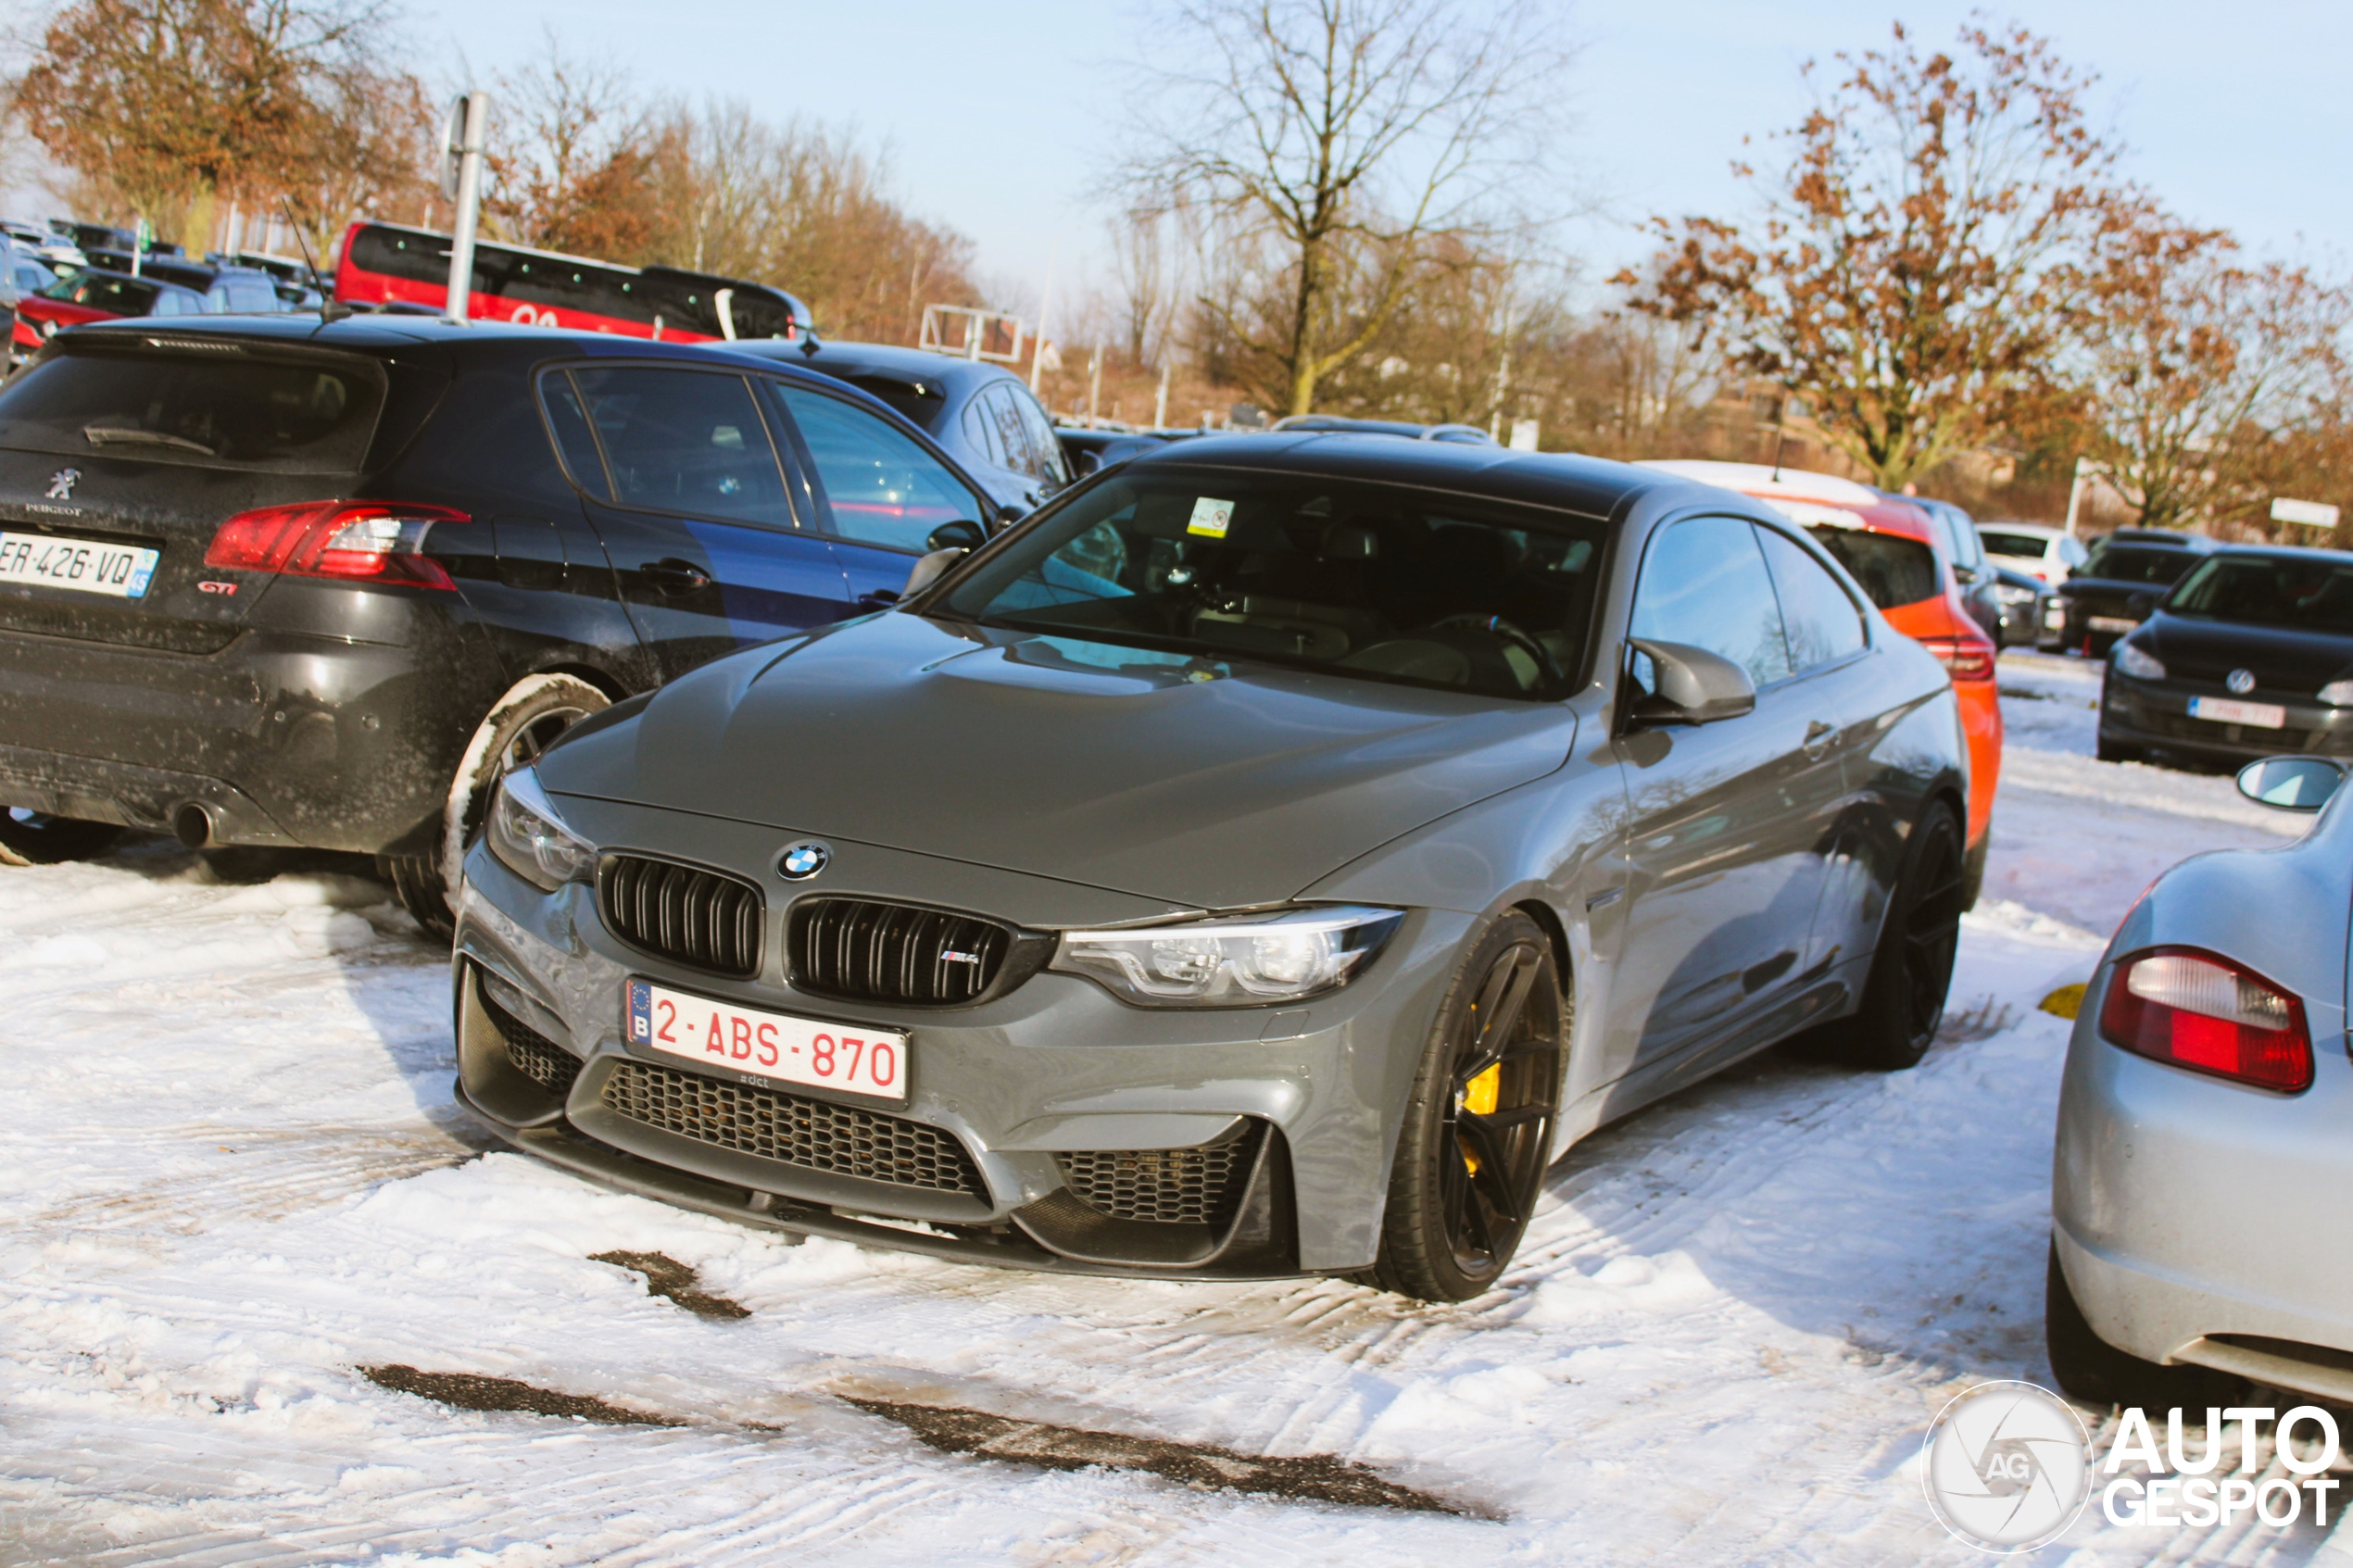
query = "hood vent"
{"x": 864, "y": 950}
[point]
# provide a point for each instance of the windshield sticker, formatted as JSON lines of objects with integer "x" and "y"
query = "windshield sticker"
{"x": 1211, "y": 517}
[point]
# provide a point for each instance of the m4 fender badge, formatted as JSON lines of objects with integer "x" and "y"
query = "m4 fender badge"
{"x": 803, "y": 860}
{"x": 61, "y": 484}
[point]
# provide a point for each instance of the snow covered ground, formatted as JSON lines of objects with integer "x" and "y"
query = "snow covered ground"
{"x": 233, "y": 1176}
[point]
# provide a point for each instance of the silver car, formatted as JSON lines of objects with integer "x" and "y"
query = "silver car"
{"x": 2203, "y": 1171}
{"x": 1266, "y": 859}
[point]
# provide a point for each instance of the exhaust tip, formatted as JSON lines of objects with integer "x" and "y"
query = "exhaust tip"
{"x": 192, "y": 825}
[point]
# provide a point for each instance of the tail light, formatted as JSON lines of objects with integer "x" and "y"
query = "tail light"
{"x": 1965, "y": 658}
{"x": 2202, "y": 1011}
{"x": 362, "y": 541}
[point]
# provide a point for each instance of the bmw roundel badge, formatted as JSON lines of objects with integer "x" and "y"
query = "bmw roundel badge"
{"x": 803, "y": 860}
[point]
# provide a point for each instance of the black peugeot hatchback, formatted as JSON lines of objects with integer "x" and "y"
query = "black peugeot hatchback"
{"x": 275, "y": 582}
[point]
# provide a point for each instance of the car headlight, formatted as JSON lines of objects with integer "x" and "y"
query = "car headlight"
{"x": 531, "y": 840}
{"x": 1236, "y": 963}
{"x": 2132, "y": 661}
{"x": 2338, "y": 694}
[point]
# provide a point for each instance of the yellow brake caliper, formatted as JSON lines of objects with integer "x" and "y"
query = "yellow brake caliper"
{"x": 1478, "y": 1098}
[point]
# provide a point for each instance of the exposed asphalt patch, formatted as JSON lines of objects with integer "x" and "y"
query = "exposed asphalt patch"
{"x": 469, "y": 1391}
{"x": 1315, "y": 1478}
{"x": 668, "y": 1276}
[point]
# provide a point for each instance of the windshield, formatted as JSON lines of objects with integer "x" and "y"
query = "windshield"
{"x": 2025, "y": 545}
{"x": 2309, "y": 593}
{"x": 1891, "y": 569}
{"x": 1378, "y": 581}
{"x": 2125, "y": 563}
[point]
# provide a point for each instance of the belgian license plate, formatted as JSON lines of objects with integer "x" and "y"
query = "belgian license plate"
{"x": 2113, "y": 623}
{"x": 119, "y": 572}
{"x": 768, "y": 1045}
{"x": 2222, "y": 710}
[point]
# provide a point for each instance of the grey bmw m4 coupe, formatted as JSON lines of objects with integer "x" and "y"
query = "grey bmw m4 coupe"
{"x": 1266, "y": 859}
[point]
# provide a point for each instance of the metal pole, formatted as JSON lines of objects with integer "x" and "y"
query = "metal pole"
{"x": 1044, "y": 311}
{"x": 469, "y": 122}
{"x": 1160, "y": 404}
{"x": 1094, "y": 386}
{"x": 2084, "y": 469}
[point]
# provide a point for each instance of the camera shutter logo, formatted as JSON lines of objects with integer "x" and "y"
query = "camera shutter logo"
{"x": 61, "y": 483}
{"x": 2241, "y": 682}
{"x": 2007, "y": 1467}
{"x": 803, "y": 860}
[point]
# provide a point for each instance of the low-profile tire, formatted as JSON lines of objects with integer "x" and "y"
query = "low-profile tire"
{"x": 35, "y": 838}
{"x": 1912, "y": 968}
{"x": 518, "y": 727}
{"x": 1465, "y": 1180}
{"x": 2096, "y": 1371}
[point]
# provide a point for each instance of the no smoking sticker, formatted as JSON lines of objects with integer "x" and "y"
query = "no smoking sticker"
{"x": 1211, "y": 517}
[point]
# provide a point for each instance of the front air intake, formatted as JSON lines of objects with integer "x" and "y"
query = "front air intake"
{"x": 703, "y": 918}
{"x": 864, "y": 950}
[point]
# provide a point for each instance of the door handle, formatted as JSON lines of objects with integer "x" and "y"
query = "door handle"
{"x": 1818, "y": 738}
{"x": 673, "y": 577}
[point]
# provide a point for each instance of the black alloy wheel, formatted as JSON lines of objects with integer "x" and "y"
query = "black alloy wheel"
{"x": 1479, "y": 1124}
{"x": 1912, "y": 970}
{"x": 35, "y": 838}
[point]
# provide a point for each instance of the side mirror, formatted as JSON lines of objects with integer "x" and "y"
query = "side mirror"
{"x": 930, "y": 569}
{"x": 957, "y": 536}
{"x": 1965, "y": 575}
{"x": 2292, "y": 783}
{"x": 1692, "y": 687}
{"x": 1009, "y": 515}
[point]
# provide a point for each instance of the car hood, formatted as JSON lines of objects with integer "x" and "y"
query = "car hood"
{"x": 2282, "y": 659}
{"x": 1207, "y": 784}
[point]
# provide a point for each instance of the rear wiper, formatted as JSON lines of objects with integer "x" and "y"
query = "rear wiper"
{"x": 123, "y": 436}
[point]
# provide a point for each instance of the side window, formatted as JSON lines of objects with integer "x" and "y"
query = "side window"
{"x": 1823, "y": 624}
{"x": 1013, "y": 433}
{"x": 1045, "y": 447}
{"x": 575, "y": 443}
{"x": 686, "y": 441}
{"x": 1704, "y": 584}
{"x": 873, "y": 484}
{"x": 980, "y": 429}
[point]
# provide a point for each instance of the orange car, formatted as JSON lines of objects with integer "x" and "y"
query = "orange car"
{"x": 1891, "y": 548}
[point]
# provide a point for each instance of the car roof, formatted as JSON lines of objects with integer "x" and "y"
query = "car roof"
{"x": 2298, "y": 552}
{"x": 1808, "y": 499}
{"x": 1593, "y": 485}
{"x": 2156, "y": 539}
{"x": 956, "y": 375}
{"x": 2032, "y": 530}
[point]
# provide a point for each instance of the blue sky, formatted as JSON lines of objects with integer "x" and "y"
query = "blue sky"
{"x": 996, "y": 116}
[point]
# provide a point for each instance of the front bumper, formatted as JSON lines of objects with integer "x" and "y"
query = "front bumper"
{"x": 2155, "y": 715}
{"x": 1054, "y": 1068}
{"x": 2202, "y": 1222}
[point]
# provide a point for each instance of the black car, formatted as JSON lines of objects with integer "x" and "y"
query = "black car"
{"x": 2250, "y": 654}
{"x": 1461, "y": 435}
{"x": 2023, "y": 599}
{"x": 983, "y": 414}
{"x": 266, "y": 581}
{"x": 1090, "y": 451}
{"x": 2112, "y": 593}
{"x": 227, "y": 289}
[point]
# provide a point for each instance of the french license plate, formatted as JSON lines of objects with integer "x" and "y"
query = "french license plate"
{"x": 768, "y": 1045}
{"x": 2112, "y": 623}
{"x": 2222, "y": 710}
{"x": 120, "y": 571}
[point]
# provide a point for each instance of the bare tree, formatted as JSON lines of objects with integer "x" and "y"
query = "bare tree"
{"x": 1144, "y": 262}
{"x": 570, "y": 158}
{"x": 1355, "y": 134}
{"x": 2197, "y": 366}
{"x": 1916, "y": 263}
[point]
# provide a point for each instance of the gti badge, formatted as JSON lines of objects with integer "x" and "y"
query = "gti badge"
{"x": 61, "y": 483}
{"x": 803, "y": 860}
{"x": 2240, "y": 681}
